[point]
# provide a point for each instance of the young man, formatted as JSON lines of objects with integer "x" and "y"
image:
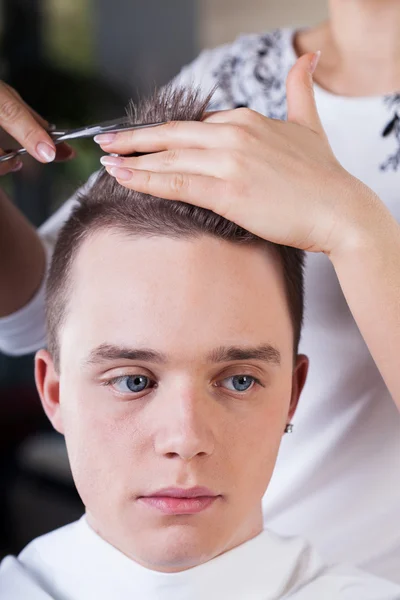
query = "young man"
{"x": 173, "y": 372}
{"x": 347, "y": 439}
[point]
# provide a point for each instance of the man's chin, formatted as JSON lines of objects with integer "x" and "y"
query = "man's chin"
{"x": 180, "y": 546}
{"x": 174, "y": 558}
{"x": 174, "y": 548}
{"x": 169, "y": 544}
{"x": 188, "y": 543}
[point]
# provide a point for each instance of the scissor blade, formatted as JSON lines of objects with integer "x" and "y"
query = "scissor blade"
{"x": 91, "y": 131}
{"x": 85, "y": 132}
{"x": 12, "y": 154}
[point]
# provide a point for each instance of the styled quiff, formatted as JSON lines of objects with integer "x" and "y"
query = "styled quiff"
{"x": 108, "y": 205}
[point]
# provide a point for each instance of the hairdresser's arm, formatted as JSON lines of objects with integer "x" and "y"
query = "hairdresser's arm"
{"x": 367, "y": 264}
{"x": 22, "y": 259}
{"x": 281, "y": 181}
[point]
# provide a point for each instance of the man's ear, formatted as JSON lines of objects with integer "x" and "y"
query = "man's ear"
{"x": 299, "y": 378}
{"x": 48, "y": 386}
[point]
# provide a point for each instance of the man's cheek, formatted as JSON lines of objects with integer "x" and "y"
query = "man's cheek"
{"x": 103, "y": 446}
{"x": 95, "y": 445}
{"x": 262, "y": 445}
{"x": 97, "y": 468}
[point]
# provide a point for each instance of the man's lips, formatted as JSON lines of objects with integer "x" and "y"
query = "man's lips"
{"x": 180, "y": 501}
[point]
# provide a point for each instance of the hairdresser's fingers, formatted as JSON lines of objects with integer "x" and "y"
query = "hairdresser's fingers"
{"x": 246, "y": 117}
{"x": 222, "y": 164}
{"x": 302, "y": 108}
{"x": 209, "y": 113}
{"x": 45, "y": 124}
{"x": 17, "y": 119}
{"x": 194, "y": 189}
{"x": 64, "y": 152}
{"x": 176, "y": 134}
{"x": 9, "y": 166}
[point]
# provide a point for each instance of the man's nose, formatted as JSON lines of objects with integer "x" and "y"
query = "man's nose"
{"x": 187, "y": 427}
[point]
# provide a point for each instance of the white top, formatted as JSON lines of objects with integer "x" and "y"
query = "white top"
{"x": 337, "y": 481}
{"x": 74, "y": 563}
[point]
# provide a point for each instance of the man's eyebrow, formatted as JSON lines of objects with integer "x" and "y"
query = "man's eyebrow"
{"x": 106, "y": 352}
{"x": 265, "y": 352}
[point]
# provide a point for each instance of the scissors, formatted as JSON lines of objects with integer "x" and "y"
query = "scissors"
{"x": 89, "y": 131}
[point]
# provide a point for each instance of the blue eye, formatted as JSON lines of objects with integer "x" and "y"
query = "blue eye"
{"x": 239, "y": 383}
{"x": 131, "y": 383}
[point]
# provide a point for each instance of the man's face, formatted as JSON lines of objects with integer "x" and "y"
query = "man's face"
{"x": 176, "y": 371}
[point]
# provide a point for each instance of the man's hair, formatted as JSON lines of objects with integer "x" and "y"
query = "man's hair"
{"x": 108, "y": 205}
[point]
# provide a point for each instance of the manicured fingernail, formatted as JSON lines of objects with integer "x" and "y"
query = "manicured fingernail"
{"x": 45, "y": 151}
{"x": 314, "y": 61}
{"x": 105, "y": 138}
{"x": 17, "y": 166}
{"x": 123, "y": 174}
{"x": 111, "y": 161}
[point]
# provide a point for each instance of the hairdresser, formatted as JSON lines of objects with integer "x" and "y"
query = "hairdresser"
{"x": 342, "y": 491}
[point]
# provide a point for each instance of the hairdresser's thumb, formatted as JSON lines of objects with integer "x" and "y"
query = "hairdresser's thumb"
{"x": 300, "y": 93}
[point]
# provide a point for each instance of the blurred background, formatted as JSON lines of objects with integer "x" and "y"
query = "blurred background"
{"x": 77, "y": 62}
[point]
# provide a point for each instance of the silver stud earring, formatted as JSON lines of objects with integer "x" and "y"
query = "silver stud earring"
{"x": 289, "y": 428}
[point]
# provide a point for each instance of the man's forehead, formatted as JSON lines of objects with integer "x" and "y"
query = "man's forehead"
{"x": 176, "y": 267}
{"x": 118, "y": 275}
{"x": 120, "y": 242}
{"x": 157, "y": 293}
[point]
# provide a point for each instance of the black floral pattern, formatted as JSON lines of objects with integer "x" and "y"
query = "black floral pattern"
{"x": 393, "y": 161}
{"x": 253, "y": 72}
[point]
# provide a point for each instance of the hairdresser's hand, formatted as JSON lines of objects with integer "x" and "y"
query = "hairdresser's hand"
{"x": 280, "y": 180}
{"x": 29, "y": 129}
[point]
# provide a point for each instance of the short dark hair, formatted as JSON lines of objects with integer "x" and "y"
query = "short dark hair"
{"x": 107, "y": 205}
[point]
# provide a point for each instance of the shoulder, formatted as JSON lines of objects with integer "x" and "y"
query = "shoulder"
{"x": 53, "y": 548}
{"x": 16, "y": 583}
{"x": 307, "y": 577}
{"x": 30, "y": 575}
{"x": 250, "y": 71}
{"x": 344, "y": 582}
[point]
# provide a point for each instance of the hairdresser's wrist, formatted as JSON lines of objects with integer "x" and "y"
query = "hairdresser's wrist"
{"x": 366, "y": 225}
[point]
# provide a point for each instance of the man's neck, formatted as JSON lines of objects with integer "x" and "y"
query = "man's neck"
{"x": 360, "y": 47}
